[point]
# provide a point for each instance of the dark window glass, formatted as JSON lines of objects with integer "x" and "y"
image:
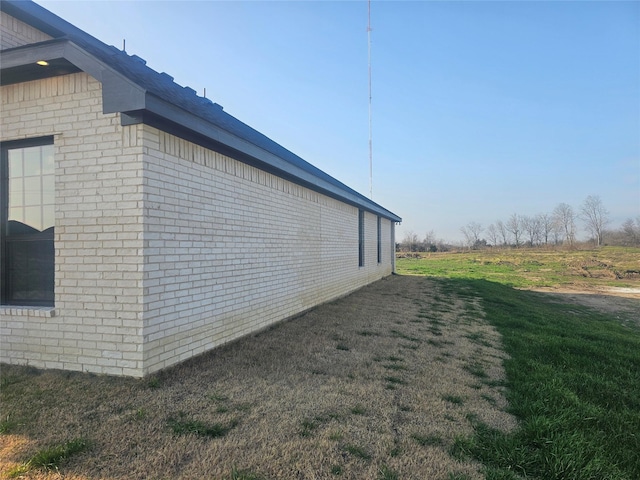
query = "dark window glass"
{"x": 379, "y": 240}
{"x": 361, "y": 238}
{"x": 27, "y": 222}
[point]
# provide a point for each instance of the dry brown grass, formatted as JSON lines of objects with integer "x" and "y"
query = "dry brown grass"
{"x": 384, "y": 378}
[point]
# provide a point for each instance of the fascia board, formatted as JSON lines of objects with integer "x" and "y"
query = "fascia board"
{"x": 119, "y": 94}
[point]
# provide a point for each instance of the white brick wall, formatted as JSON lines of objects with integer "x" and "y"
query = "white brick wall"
{"x": 232, "y": 249}
{"x": 14, "y": 33}
{"x": 97, "y": 324}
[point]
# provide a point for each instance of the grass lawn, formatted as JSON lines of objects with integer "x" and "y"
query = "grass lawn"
{"x": 573, "y": 381}
{"x": 447, "y": 372}
{"x": 573, "y": 373}
{"x": 377, "y": 385}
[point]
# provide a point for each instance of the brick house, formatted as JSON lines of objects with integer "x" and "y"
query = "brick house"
{"x": 140, "y": 224}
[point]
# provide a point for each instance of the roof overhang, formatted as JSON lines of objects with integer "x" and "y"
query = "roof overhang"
{"x": 136, "y": 105}
{"x": 20, "y": 65}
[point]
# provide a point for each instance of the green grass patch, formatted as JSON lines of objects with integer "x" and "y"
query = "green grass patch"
{"x": 50, "y": 458}
{"x": 455, "y": 399}
{"x": 385, "y": 473}
{"x": 464, "y": 476}
{"x": 475, "y": 369}
{"x": 153, "y": 383}
{"x": 404, "y": 336}
{"x": 395, "y": 380}
{"x": 394, "y": 358}
{"x": 7, "y": 425}
{"x": 435, "y": 331}
{"x": 573, "y": 378}
{"x": 394, "y": 366}
{"x": 309, "y": 426}
{"x": 358, "y": 452}
{"x": 368, "y": 333}
{"x": 244, "y": 475}
{"x": 183, "y": 426}
{"x": 427, "y": 440}
{"x": 478, "y": 338}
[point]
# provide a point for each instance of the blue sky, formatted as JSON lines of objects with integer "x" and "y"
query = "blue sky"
{"x": 480, "y": 109}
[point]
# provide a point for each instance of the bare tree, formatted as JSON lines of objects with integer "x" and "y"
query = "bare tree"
{"x": 472, "y": 233}
{"x": 492, "y": 235}
{"x": 514, "y": 225}
{"x": 566, "y": 221}
{"x": 546, "y": 226}
{"x": 631, "y": 231}
{"x": 531, "y": 225}
{"x": 504, "y": 233}
{"x": 557, "y": 231}
{"x": 595, "y": 217}
{"x": 430, "y": 241}
{"x": 410, "y": 241}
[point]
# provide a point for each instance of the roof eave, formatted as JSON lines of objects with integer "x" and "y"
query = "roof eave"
{"x": 122, "y": 95}
{"x": 262, "y": 158}
{"x": 118, "y": 92}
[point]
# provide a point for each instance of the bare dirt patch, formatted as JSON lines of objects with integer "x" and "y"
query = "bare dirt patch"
{"x": 623, "y": 302}
{"x": 380, "y": 381}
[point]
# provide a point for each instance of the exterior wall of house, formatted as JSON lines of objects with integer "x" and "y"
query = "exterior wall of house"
{"x": 164, "y": 249}
{"x": 97, "y": 320}
{"x": 231, "y": 249}
{"x": 14, "y": 33}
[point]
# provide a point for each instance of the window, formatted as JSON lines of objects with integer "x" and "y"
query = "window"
{"x": 361, "y": 238}
{"x": 26, "y": 222}
{"x": 379, "y": 240}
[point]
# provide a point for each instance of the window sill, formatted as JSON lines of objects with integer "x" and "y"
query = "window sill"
{"x": 19, "y": 311}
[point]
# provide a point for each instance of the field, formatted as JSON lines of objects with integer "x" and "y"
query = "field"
{"x": 444, "y": 372}
{"x": 605, "y": 269}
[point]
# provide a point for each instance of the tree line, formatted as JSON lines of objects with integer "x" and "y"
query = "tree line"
{"x": 559, "y": 227}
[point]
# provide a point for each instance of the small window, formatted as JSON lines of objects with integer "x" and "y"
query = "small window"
{"x": 379, "y": 240}
{"x": 27, "y": 222}
{"x": 361, "y": 238}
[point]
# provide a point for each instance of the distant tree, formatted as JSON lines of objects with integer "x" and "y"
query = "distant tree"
{"x": 410, "y": 242}
{"x": 546, "y": 226}
{"x": 565, "y": 219}
{"x": 472, "y": 234}
{"x": 493, "y": 235}
{"x": 631, "y": 231}
{"x": 430, "y": 242}
{"x": 532, "y": 226}
{"x": 595, "y": 216}
{"x": 557, "y": 231}
{"x": 503, "y": 232}
{"x": 514, "y": 226}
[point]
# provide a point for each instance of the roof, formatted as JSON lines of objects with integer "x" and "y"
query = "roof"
{"x": 143, "y": 95}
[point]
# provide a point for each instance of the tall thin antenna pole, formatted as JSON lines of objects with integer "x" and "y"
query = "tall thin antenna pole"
{"x": 370, "y": 130}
